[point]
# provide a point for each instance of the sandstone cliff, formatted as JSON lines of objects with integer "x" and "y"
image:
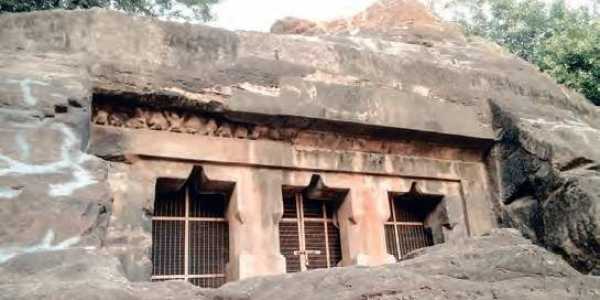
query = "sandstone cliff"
{"x": 55, "y": 204}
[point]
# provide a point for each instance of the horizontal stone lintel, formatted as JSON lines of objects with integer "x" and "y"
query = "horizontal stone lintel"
{"x": 113, "y": 142}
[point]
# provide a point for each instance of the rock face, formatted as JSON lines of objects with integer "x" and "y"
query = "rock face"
{"x": 55, "y": 200}
{"x": 550, "y": 180}
{"x": 547, "y": 158}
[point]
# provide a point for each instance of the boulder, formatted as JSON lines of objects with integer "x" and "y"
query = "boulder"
{"x": 502, "y": 265}
{"x": 571, "y": 218}
{"x": 80, "y": 273}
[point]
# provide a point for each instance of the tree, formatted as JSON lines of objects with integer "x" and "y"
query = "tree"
{"x": 563, "y": 42}
{"x": 179, "y": 9}
{"x": 572, "y": 56}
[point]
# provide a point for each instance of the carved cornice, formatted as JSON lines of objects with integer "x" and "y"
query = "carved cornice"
{"x": 187, "y": 123}
{"x": 199, "y": 123}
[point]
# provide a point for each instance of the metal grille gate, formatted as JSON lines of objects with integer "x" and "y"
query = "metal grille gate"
{"x": 190, "y": 237}
{"x": 308, "y": 236}
{"x": 405, "y": 230}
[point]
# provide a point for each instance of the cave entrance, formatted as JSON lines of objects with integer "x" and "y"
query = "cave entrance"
{"x": 190, "y": 235}
{"x": 407, "y": 228}
{"x": 308, "y": 232}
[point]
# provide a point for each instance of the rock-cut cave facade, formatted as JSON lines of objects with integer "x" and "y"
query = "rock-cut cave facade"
{"x": 255, "y": 191}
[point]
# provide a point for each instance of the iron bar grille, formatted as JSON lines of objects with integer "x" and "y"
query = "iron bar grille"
{"x": 190, "y": 239}
{"x": 405, "y": 231}
{"x": 308, "y": 236}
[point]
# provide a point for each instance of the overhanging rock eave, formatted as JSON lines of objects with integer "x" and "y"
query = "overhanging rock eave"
{"x": 385, "y": 109}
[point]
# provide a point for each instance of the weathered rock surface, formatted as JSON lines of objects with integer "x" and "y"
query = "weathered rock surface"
{"x": 402, "y": 20}
{"x": 550, "y": 179}
{"x": 502, "y": 265}
{"x": 548, "y": 156}
{"x": 54, "y": 196}
{"x": 80, "y": 274}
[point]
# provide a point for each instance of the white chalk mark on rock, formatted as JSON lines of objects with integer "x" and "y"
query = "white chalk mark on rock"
{"x": 312, "y": 93}
{"x": 71, "y": 159}
{"x": 562, "y": 124}
{"x": 330, "y": 78}
{"x": 293, "y": 89}
{"x": 25, "y": 85}
{"x": 581, "y": 129}
{"x": 261, "y": 90}
{"x": 23, "y": 146}
{"x": 81, "y": 179}
{"x": 44, "y": 245}
{"x": 9, "y": 193}
{"x": 421, "y": 90}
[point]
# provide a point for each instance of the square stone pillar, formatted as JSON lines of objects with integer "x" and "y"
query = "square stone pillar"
{"x": 361, "y": 219}
{"x": 254, "y": 211}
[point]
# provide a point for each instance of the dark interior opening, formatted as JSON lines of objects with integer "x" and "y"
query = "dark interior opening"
{"x": 413, "y": 222}
{"x": 190, "y": 234}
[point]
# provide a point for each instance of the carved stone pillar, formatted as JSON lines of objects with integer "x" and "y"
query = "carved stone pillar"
{"x": 361, "y": 219}
{"x": 255, "y": 208}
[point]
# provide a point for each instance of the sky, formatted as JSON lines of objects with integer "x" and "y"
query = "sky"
{"x": 259, "y": 15}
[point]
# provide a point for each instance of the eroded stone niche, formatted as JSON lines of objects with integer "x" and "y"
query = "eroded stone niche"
{"x": 142, "y": 116}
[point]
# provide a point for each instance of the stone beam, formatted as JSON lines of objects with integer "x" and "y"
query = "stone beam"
{"x": 123, "y": 142}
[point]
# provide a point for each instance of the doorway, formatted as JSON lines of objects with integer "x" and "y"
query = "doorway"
{"x": 308, "y": 233}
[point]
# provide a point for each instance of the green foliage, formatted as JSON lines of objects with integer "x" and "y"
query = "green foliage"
{"x": 572, "y": 56}
{"x": 563, "y": 42}
{"x": 200, "y": 9}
